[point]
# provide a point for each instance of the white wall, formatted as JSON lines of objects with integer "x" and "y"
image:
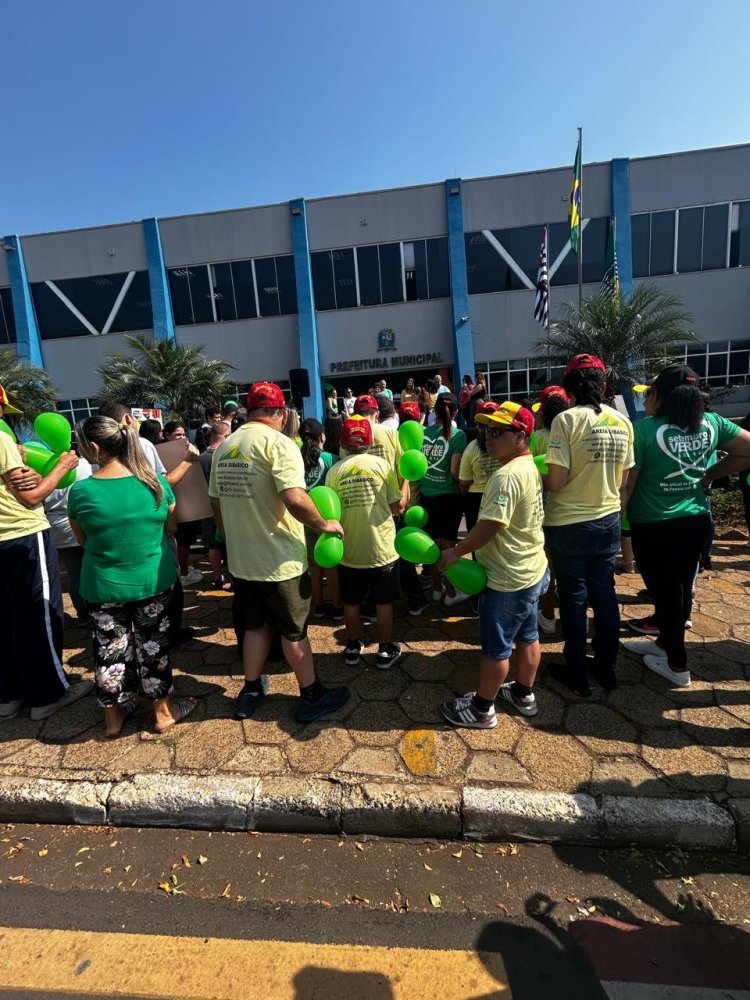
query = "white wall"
{"x": 82, "y": 252}
{"x": 217, "y": 236}
{"x": 257, "y": 348}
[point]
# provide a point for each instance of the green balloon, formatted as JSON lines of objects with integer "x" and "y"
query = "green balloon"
{"x": 67, "y": 480}
{"x": 412, "y": 465}
{"x": 540, "y": 461}
{"x": 532, "y": 442}
{"x": 327, "y": 502}
{"x": 416, "y": 517}
{"x": 54, "y": 430}
{"x": 411, "y": 435}
{"x": 416, "y": 546}
{"x": 6, "y": 429}
{"x": 39, "y": 458}
{"x": 467, "y": 576}
{"x": 329, "y": 551}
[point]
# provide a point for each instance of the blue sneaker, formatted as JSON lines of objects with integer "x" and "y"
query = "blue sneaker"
{"x": 248, "y": 701}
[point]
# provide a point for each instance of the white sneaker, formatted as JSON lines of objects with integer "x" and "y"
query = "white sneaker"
{"x": 193, "y": 575}
{"x": 458, "y": 598}
{"x": 689, "y": 624}
{"x": 10, "y": 709}
{"x": 74, "y": 692}
{"x": 547, "y": 625}
{"x": 644, "y": 646}
{"x": 437, "y": 595}
{"x": 660, "y": 665}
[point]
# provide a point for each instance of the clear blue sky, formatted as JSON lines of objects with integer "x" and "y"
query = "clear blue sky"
{"x": 120, "y": 110}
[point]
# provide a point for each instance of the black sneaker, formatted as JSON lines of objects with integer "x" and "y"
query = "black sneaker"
{"x": 353, "y": 652}
{"x": 462, "y": 712}
{"x": 388, "y": 654}
{"x": 337, "y": 615}
{"x": 248, "y": 701}
{"x": 605, "y": 677}
{"x": 570, "y": 679}
{"x": 417, "y": 605}
{"x": 644, "y": 626}
{"x": 330, "y": 700}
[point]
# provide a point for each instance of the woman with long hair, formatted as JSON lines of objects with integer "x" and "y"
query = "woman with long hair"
{"x": 439, "y": 491}
{"x": 121, "y": 516}
{"x": 668, "y": 508}
{"x": 317, "y": 462}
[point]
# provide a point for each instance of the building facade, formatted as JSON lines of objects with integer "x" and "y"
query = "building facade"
{"x": 392, "y": 283}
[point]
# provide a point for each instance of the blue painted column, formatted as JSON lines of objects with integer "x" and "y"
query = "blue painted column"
{"x": 28, "y": 341}
{"x": 463, "y": 345}
{"x": 307, "y": 327}
{"x": 161, "y": 303}
{"x": 620, "y": 187}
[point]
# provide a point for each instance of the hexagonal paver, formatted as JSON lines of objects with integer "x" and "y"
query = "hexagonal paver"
{"x": 70, "y": 722}
{"x": 427, "y": 668}
{"x": 422, "y": 701}
{"x": 432, "y": 753}
{"x": 551, "y": 707}
{"x": 257, "y": 759}
{"x": 555, "y": 761}
{"x": 377, "y": 763}
{"x": 273, "y": 722}
{"x": 318, "y": 749}
{"x": 147, "y": 756}
{"x": 641, "y": 705}
{"x": 625, "y": 776}
{"x": 715, "y": 728}
{"x": 332, "y": 670}
{"x": 687, "y": 766}
{"x": 17, "y": 734}
{"x": 498, "y": 768}
{"x": 381, "y": 685}
{"x": 739, "y": 778}
{"x": 203, "y": 746}
{"x": 423, "y": 640}
{"x": 504, "y": 736}
{"x": 464, "y": 676}
{"x": 31, "y": 753}
{"x": 601, "y": 729}
{"x": 377, "y": 724}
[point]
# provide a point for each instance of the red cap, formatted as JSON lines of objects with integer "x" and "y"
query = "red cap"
{"x": 365, "y": 403}
{"x": 552, "y": 390}
{"x": 581, "y": 361}
{"x": 509, "y": 414}
{"x": 487, "y": 406}
{"x": 356, "y": 432}
{"x": 410, "y": 410}
{"x": 265, "y": 396}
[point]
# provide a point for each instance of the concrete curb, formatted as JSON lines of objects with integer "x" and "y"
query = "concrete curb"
{"x": 318, "y": 805}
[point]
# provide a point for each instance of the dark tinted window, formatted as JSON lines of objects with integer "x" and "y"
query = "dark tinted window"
{"x": 641, "y": 236}
{"x": 485, "y": 268}
{"x": 223, "y": 289}
{"x": 567, "y": 272}
{"x": 438, "y": 267}
{"x": 345, "y": 281}
{"x": 421, "y": 283}
{"x": 391, "y": 272}
{"x": 368, "y": 267}
{"x": 322, "y": 275}
{"x": 135, "y": 311}
{"x": 739, "y": 363}
{"x": 717, "y": 364}
{"x": 95, "y": 299}
{"x": 523, "y": 246}
{"x": 690, "y": 239}
{"x": 201, "y": 294}
{"x": 662, "y": 242}
{"x": 244, "y": 289}
{"x": 595, "y": 249}
{"x": 7, "y": 319}
{"x": 268, "y": 290}
{"x": 287, "y": 283}
{"x": 715, "y": 223}
{"x": 696, "y": 359}
{"x": 179, "y": 288}
{"x": 744, "y": 234}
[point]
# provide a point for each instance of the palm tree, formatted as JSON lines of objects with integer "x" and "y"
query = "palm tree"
{"x": 29, "y": 388}
{"x": 634, "y": 335}
{"x": 179, "y": 376}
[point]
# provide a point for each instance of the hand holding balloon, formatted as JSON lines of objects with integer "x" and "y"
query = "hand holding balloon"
{"x": 329, "y": 550}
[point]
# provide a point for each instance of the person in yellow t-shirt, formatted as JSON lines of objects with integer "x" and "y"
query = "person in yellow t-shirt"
{"x": 476, "y": 468}
{"x": 260, "y": 504}
{"x": 590, "y": 450}
{"x": 385, "y": 442}
{"x": 370, "y": 496}
{"x": 509, "y": 542}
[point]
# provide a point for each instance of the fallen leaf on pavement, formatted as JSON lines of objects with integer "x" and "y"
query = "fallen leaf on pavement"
{"x": 359, "y": 846}
{"x": 227, "y": 891}
{"x": 201, "y": 860}
{"x": 173, "y": 879}
{"x": 166, "y": 887}
{"x": 186, "y": 861}
{"x": 341, "y": 843}
{"x": 83, "y": 850}
{"x": 592, "y": 909}
{"x": 114, "y": 843}
{"x": 573, "y": 899}
{"x": 435, "y": 901}
{"x": 43, "y": 853}
{"x": 427, "y": 867}
{"x": 19, "y": 878}
{"x": 106, "y": 871}
{"x": 457, "y": 854}
{"x": 78, "y": 864}
{"x": 359, "y": 899}
{"x": 686, "y": 880}
{"x": 502, "y": 906}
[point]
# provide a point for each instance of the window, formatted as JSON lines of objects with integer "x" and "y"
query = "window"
{"x": 715, "y": 223}
{"x": 268, "y": 287}
{"x": 391, "y": 272}
{"x": 721, "y": 362}
{"x": 486, "y": 270}
{"x": 662, "y": 243}
{"x": 368, "y": 268}
{"x": 7, "y": 318}
{"x": 244, "y": 289}
{"x": 287, "y": 283}
{"x": 76, "y": 307}
{"x": 77, "y": 409}
{"x": 323, "y": 281}
{"x": 690, "y": 239}
{"x": 640, "y": 227}
{"x": 739, "y": 240}
{"x": 438, "y": 267}
{"x": 215, "y": 293}
{"x": 702, "y": 238}
{"x": 223, "y": 289}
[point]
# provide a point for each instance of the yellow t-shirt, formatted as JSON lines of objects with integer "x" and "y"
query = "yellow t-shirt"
{"x": 367, "y": 487}
{"x": 16, "y": 521}
{"x": 515, "y": 558}
{"x": 596, "y": 448}
{"x": 385, "y": 444}
{"x": 248, "y": 472}
{"x": 476, "y": 467}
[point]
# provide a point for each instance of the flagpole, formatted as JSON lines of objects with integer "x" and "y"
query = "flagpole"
{"x": 580, "y": 221}
{"x": 549, "y": 279}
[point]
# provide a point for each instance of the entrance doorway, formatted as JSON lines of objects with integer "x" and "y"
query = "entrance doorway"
{"x": 362, "y": 382}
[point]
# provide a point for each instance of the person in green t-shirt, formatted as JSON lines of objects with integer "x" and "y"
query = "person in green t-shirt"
{"x": 439, "y": 491}
{"x": 668, "y": 509}
{"x": 121, "y": 516}
{"x": 317, "y": 462}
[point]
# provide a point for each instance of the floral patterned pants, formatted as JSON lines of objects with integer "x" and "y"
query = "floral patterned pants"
{"x": 131, "y": 649}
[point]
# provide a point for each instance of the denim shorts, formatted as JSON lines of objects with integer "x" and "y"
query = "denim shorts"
{"x": 507, "y": 618}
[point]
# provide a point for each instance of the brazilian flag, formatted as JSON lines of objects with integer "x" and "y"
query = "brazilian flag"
{"x": 575, "y": 202}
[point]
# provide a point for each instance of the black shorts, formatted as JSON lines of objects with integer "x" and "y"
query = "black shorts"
{"x": 472, "y": 503}
{"x": 377, "y": 585}
{"x": 284, "y": 605}
{"x": 445, "y": 512}
{"x": 187, "y": 532}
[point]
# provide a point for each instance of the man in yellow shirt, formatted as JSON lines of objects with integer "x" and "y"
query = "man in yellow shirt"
{"x": 509, "y": 542}
{"x": 31, "y": 620}
{"x": 260, "y": 504}
{"x": 589, "y": 452}
{"x": 370, "y": 496}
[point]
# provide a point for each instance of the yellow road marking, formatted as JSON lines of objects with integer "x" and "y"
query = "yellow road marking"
{"x": 419, "y": 752}
{"x": 158, "y": 966}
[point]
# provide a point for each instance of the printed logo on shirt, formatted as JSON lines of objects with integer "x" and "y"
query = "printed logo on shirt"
{"x": 233, "y": 453}
{"x": 502, "y": 500}
{"x": 690, "y": 452}
{"x": 435, "y": 451}
{"x": 356, "y": 472}
{"x": 608, "y": 420}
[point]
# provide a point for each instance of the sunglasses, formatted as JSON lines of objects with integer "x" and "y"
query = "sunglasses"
{"x": 496, "y": 432}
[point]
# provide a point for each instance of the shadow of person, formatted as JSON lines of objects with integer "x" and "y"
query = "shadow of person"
{"x": 319, "y": 983}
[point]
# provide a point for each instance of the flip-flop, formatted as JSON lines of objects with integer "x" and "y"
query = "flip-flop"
{"x": 184, "y": 707}
{"x": 128, "y": 711}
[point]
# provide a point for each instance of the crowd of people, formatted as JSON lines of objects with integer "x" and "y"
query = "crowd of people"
{"x": 544, "y": 491}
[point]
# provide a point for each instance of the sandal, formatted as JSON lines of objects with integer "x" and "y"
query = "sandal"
{"x": 184, "y": 707}
{"x": 128, "y": 711}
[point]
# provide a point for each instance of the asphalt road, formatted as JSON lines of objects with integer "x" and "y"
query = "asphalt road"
{"x": 144, "y": 913}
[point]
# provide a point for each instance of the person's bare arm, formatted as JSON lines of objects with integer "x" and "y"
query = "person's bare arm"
{"x": 629, "y": 479}
{"x": 78, "y": 532}
{"x": 180, "y": 471}
{"x": 32, "y": 498}
{"x": 464, "y": 485}
{"x": 737, "y": 458}
{"x": 301, "y": 507}
{"x": 171, "y": 525}
{"x": 455, "y": 465}
{"x": 216, "y": 508}
{"x": 556, "y": 478}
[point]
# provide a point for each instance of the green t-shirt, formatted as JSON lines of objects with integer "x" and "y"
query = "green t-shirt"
{"x": 127, "y": 555}
{"x": 671, "y": 463}
{"x": 317, "y": 475}
{"x": 438, "y": 479}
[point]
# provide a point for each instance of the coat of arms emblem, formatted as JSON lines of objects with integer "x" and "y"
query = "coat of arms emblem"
{"x": 386, "y": 340}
